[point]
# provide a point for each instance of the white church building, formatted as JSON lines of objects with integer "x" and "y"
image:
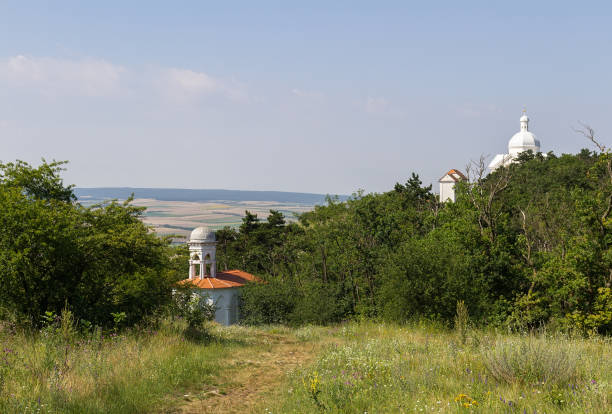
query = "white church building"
{"x": 221, "y": 289}
{"x": 523, "y": 140}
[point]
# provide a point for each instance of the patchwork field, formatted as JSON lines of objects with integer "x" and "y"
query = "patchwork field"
{"x": 178, "y": 211}
{"x": 180, "y": 217}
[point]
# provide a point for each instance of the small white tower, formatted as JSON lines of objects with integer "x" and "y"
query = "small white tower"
{"x": 447, "y": 184}
{"x": 202, "y": 252}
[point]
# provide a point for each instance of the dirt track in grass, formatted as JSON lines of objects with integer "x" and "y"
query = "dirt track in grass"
{"x": 251, "y": 376}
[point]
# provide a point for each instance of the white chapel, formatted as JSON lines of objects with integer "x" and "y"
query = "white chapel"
{"x": 221, "y": 289}
{"x": 523, "y": 140}
{"x": 447, "y": 184}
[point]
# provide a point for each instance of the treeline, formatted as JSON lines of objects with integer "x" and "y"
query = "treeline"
{"x": 524, "y": 246}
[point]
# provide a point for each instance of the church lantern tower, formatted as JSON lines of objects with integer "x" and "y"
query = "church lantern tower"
{"x": 202, "y": 252}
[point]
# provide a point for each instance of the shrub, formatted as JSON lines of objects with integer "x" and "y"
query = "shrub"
{"x": 285, "y": 302}
{"x": 599, "y": 320}
{"x": 267, "y": 303}
{"x": 318, "y": 303}
{"x": 189, "y": 304}
{"x": 531, "y": 361}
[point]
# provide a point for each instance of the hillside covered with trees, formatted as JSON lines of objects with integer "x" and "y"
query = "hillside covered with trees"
{"x": 524, "y": 246}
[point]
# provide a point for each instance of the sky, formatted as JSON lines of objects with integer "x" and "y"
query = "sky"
{"x": 311, "y": 96}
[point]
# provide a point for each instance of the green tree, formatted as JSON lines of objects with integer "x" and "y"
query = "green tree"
{"x": 54, "y": 252}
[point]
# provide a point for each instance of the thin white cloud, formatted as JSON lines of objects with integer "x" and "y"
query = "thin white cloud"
{"x": 377, "y": 105}
{"x": 98, "y": 77}
{"x": 185, "y": 84}
{"x": 90, "y": 77}
{"x": 381, "y": 106}
{"x": 476, "y": 111}
{"x": 306, "y": 94}
{"x": 188, "y": 81}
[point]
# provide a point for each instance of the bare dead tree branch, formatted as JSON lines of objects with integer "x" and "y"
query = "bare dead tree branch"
{"x": 589, "y": 133}
{"x": 483, "y": 192}
{"x": 527, "y": 255}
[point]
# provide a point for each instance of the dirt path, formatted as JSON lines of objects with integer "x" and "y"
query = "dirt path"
{"x": 250, "y": 375}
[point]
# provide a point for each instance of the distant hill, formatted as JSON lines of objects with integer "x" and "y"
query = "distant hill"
{"x": 179, "y": 194}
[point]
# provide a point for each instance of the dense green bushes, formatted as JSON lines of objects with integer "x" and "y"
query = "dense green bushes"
{"x": 56, "y": 253}
{"x": 282, "y": 302}
{"x": 269, "y": 303}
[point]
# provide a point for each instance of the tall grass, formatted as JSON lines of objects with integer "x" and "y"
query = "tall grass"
{"x": 462, "y": 320}
{"x": 364, "y": 367}
{"x": 534, "y": 360}
{"x": 139, "y": 371}
{"x": 396, "y": 369}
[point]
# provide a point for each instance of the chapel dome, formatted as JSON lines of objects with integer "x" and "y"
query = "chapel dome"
{"x": 202, "y": 234}
{"x": 523, "y": 140}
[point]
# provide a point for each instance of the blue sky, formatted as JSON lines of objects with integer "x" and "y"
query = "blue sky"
{"x": 325, "y": 97}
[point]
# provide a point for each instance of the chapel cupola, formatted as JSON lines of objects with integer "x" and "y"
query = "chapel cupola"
{"x": 202, "y": 251}
{"x": 523, "y": 140}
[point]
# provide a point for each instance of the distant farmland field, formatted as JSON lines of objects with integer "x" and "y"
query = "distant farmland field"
{"x": 178, "y": 211}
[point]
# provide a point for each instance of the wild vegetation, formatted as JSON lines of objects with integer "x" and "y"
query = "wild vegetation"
{"x": 354, "y": 367}
{"x": 526, "y": 246}
{"x": 64, "y": 369}
{"x": 499, "y": 302}
{"x": 386, "y": 368}
{"x": 101, "y": 262}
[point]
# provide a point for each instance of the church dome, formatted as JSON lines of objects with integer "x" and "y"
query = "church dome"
{"x": 202, "y": 234}
{"x": 523, "y": 140}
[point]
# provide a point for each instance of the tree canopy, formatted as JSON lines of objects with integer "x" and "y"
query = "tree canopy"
{"x": 523, "y": 246}
{"x": 56, "y": 253}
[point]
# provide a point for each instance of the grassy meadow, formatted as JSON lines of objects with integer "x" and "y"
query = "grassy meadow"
{"x": 378, "y": 368}
{"x": 133, "y": 372}
{"x": 349, "y": 368}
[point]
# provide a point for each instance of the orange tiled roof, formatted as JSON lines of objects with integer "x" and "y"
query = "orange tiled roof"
{"x": 228, "y": 279}
{"x": 452, "y": 173}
